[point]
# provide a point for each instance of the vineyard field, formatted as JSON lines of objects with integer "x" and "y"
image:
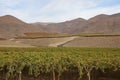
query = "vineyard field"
{"x": 43, "y": 63}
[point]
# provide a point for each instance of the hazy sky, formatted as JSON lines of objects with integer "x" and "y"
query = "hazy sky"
{"x": 57, "y": 10}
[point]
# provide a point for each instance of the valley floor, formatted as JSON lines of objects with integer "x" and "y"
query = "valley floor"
{"x": 75, "y": 41}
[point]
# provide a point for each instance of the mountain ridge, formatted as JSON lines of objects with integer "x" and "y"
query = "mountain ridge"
{"x": 11, "y": 26}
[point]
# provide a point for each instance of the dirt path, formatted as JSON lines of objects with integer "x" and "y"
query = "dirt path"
{"x": 67, "y": 39}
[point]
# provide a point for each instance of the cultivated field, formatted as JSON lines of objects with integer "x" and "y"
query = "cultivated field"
{"x": 59, "y": 63}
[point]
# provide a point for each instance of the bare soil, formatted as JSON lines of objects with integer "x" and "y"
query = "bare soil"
{"x": 47, "y": 42}
{"x": 101, "y": 42}
{"x": 13, "y": 43}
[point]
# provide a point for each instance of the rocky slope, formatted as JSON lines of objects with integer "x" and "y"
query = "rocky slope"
{"x": 108, "y": 24}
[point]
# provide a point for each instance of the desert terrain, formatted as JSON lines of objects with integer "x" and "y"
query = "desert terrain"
{"x": 16, "y": 33}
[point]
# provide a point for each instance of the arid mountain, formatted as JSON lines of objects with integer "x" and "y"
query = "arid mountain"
{"x": 63, "y": 27}
{"x": 103, "y": 24}
{"x": 108, "y": 24}
{"x": 12, "y": 27}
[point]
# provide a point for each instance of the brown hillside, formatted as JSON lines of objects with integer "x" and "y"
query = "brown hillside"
{"x": 103, "y": 24}
{"x": 108, "y": 24}
{"x": 11, "y": 27}
{"x": 63, "y": 27}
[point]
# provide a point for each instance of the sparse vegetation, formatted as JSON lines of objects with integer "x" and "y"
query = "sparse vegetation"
{"x": 56, "y": 35}
{"x": 43, "y": 35}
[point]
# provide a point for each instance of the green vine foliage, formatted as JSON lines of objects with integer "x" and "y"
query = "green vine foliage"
{"x": 57, "y": 60}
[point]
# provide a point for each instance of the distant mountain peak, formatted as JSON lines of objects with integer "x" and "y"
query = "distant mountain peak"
{"x": 78, "y": 19}
{"x": 98, "y": 17}
{"x": 10, "y": 18}
{"x": 117, "y": 14}
{"x": 102, "y": 15}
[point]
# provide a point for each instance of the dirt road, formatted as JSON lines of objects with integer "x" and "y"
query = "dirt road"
{"x": 65, "y": 40}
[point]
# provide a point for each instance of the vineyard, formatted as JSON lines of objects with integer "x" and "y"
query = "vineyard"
{"x": 56, "y": 35}
{"x": 56, "y": 63}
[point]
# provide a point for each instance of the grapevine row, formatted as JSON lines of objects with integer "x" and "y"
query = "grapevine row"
{"x": 56, "y": 60}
